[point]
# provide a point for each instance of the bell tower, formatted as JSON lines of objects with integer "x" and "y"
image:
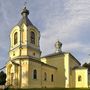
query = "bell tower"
{"x": 24, "y": 48}
{"x": 24, "y": 38}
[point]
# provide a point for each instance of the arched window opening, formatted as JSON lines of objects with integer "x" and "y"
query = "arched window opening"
{"x": 32, "y": 37}
{"x": 15, "y": 38}
{"x": 34, "y": 54}
{"x": 45, "y": 76}
{"x": 11, "y": 77}
{"x": 52, "y": 78}
{"x": 79, "y": 78}
{"x": 35, "y": 74}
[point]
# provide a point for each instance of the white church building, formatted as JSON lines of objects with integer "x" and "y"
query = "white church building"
{"x": 27, "y": 69}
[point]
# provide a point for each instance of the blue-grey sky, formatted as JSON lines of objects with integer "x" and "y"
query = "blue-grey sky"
{"x": 64, "y": 20}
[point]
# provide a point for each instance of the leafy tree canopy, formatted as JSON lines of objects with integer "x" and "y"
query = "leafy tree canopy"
{"x": 87, "y": 65}
{"x": 2, "y": 78}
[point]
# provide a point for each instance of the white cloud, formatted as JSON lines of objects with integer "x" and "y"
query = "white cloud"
{"x": 59, "y": 19}
{"x": 67, "y": 29}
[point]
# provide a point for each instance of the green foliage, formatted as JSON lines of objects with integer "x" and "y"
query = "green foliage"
{"x": 87, "y": 65}
{"x": 52, "y": 89}
{"x": 2, "y": 78}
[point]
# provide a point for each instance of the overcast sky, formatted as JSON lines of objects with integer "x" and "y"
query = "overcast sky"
{"x": 64, "y": 20}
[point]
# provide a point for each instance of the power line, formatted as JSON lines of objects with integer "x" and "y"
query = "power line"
{"x": 25, "y": 3}
{"x": 2, "y": 67}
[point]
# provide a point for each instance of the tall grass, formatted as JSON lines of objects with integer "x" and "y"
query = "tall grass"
{"x": 51, "y": 89}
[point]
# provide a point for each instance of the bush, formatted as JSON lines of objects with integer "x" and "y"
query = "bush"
{"x": 2, "y": 78}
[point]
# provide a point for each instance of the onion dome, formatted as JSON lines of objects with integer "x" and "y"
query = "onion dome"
{"x": 25, "y": 18}
{"x": 58, "y": 46}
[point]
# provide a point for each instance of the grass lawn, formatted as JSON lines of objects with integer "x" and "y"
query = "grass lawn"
{"x": 53, "y": 89}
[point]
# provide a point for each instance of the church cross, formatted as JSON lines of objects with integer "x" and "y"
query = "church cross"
{"x": 25, "y": 3}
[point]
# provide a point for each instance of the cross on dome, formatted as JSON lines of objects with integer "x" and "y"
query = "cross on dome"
{"x": 58, "y": 46}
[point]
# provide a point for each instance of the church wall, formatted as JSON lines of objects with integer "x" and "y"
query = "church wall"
{"x": 13, "y": 73}
{"x": 34, "y": 83}
{"x": 89, "y": 79}
{"x": 24, "y": 35}
{"x": 8, "y": 70}
{"x": 17, "y": 73}
{"x": 66, "y": 67}
{"x": 48, "y": 83}
{"x": 20, "y": 73}
{"x": 41, "y": 69}
{"x": 24, "y": 73}
{"x": 72, "y": 79}
{"x": 33, "y": 52}
{"x": 72, "y": 64}
{"x": 37, "y": 36}
{"x": 15, "y": 29}
{"x": 14, "y": 49}
{"x": 83, "y": 82}
{"x": 14, "y": 53}
{"x": 24, "y": 51}
{"x": 57, "y": 61}
{"x": 30, "y": 52}
{"x": 16, "y": 76}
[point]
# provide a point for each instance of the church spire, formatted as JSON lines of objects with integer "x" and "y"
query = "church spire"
{"x": 25, "y": 12}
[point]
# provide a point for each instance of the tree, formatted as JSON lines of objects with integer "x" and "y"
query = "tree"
{"x": 2, "y": 78}
{"x": 87, "y": 65}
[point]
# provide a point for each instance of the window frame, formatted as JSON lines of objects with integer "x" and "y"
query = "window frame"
{"x": 79, "y": 78}
{"x": 15, "y": 38}
{"x": 52, "y": 77}
{"x": 34, "y": 74}
{"x": 32, "y": 37}
{"x": 45, "y": 76}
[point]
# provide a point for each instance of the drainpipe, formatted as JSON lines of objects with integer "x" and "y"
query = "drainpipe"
{"x": 20, "y": 48}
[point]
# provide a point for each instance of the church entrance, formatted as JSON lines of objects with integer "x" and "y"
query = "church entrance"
{"x": 10, "y": 76}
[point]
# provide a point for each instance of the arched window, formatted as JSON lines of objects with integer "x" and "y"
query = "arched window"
{"x": 11, "y": 77}
{"x": 52, "y": 79}
{"x": 15, "y": 38}
{"x": 79, "y": 78}
{"x": 45, "y": 76}
{"x": 35, "y": 74}
{"x": 32, "y": 37}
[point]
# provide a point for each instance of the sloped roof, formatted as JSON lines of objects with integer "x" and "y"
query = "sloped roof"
{"x": 61, "y": 53}
{"x": 53, "y": 54}
{"x": 32, "y": 59}
{"x": 25, "y": 18}
{"x": 79, "y": 67}
{"x": 26, "y": 21}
